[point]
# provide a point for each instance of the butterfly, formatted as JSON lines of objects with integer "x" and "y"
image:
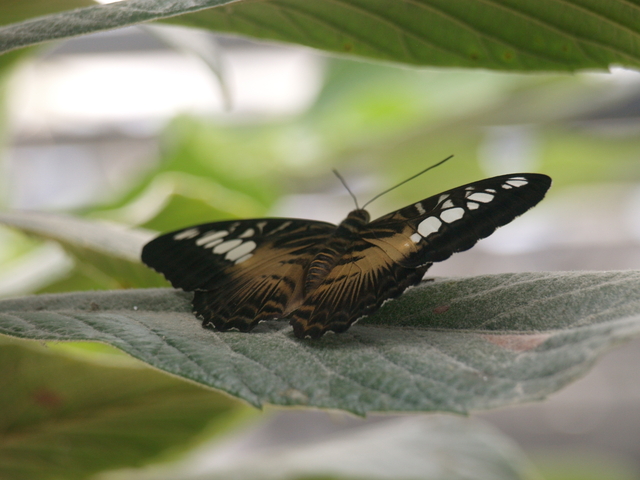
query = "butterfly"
{"x": 322, "y": 276}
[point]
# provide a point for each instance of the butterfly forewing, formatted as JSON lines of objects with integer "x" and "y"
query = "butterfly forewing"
{"x": 242, "y": 271}
{"x": 453, "y": 221}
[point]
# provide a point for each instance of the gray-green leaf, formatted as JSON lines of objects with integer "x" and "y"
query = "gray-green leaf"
{"x": 449, "y": 345}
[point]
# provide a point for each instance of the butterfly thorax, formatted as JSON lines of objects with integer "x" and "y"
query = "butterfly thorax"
{"x": 334, "y": 248}
{"x": 353, "y": 223}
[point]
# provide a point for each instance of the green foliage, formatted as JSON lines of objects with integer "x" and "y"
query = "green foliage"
{"x": 64, "y": 416}
{"x": 196, "y": 181}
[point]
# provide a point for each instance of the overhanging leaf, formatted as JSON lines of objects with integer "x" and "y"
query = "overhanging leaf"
{"x": 109, "y": 251}
{"x": 449, "y": 345}
{"x": 18, "y": 11}
{"x": 61, "y": 417}
{"x": 96, "y": 18}
{"x": 515, "y": 35}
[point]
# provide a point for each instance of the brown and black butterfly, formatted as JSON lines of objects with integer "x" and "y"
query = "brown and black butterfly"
{"x": 325, "y": 277}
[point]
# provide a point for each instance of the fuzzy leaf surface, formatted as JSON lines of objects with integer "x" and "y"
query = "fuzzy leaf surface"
{"x": 449, "y": 345}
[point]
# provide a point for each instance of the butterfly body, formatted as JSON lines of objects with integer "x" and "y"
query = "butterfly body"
{"x": 336, "y": 246}
{"x": 325, "y": 277}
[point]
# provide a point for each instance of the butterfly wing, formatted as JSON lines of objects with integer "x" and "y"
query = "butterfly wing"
{"x": 243, "y": 271}
{"x": 394, "y": 251}
{"x": 357, "y": 286}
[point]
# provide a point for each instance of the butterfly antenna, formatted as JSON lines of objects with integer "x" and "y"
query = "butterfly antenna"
{"x": 407, "y": 180}
{"x": 347, "y": 187}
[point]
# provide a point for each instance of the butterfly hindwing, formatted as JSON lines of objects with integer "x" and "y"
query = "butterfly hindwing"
{"x": 241, "y": 271}
{"x": 357, "y": 286}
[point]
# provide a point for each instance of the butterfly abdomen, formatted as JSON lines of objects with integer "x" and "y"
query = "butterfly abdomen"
{"x": 323, "y": 263}
{"x": 336, "y": 246}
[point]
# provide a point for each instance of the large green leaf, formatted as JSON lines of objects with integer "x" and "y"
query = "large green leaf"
{"x": 449, "y": 345}
{"x": 62, "y": 417}
{"x": 506, "y": 35}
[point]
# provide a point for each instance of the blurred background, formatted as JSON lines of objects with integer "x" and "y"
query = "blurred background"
{"x": 164, "y": 127}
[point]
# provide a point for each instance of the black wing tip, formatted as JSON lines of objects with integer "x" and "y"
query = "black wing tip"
{"x": 538, "y": 184}
{"x": 151, "y": 254}
{"x": 146, "y": 255}
{"x": 540, "y": 178}
{"x": 154, "y": 261}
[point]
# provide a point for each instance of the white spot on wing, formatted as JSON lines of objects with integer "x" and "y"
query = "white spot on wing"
{"x": 506, "y": 186}
{"x": 472, "y": 205}
{"x": 192, "y": 232}
{"x": 481, "y": 197}
{"x": 247, "y": 233}
{"x": 490, "y": 190}
{"x": 415, "y": 238}
{"x": 261, "y": 225}
{"x": 420, "y": 208}
{"x": 428, "y": 226}
{"x": 211, "y": 236}
{"x": 448, "y": 204}
{"x": 236, "y": 253}
{"x": 244, "y": 258}
{"x": 281, "y": 227}
{"x": 214, "y": 243}
{"x": 452, "y": 214}
{"x": 226, "y": 246}
{"x": 516, "y": 182}
{"x": 443, "y": 197}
